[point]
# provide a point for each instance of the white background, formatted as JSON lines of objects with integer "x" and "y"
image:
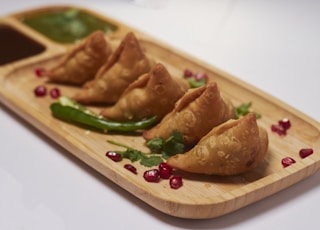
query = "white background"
{"x": 273, "y": 45}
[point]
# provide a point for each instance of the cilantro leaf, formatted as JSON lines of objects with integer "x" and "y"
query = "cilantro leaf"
{"x": 131, "y": 154}
{"x": 135, "y": 155}
{"x": 169, "y": 147}
{"x": 166, "y": 147}
{"x": 193, "y": 83}
{"x": 244, "y": 109}
{"x": 155, "y": 145}
{"x": 150, "y": 161}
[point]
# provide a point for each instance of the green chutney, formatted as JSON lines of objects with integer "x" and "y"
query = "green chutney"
{"x": 67, "y": 26}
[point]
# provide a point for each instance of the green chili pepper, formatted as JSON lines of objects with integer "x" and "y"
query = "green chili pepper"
{"x": 66, "y": 101}
{"x": 82, "y": 117}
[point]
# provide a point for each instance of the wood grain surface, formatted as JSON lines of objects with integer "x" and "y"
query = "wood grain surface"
{"x": 200, "y": 196}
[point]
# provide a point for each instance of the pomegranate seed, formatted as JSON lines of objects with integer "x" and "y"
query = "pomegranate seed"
{"x": 199, "y": 76}
{"x": 187, "y": 73}
{"x": 285, "y": 123}
{"x": 282, "y": 127}
{"x": 131, "y": 168}
{"x": 279, "y": 130}
{"x": 55, "y": 93}
{"x": 39, "y": 72}
{"x": 175, "y": 182}
{"x": 114, "y": 156}
{"x": 165, "y": 170}
{"x": 40, "y": 91}
{"x": 287, "y": 161}
{"x": 305, "y": 152}
{"x": 152, "y": 175}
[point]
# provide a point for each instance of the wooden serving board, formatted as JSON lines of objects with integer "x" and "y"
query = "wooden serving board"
{"x": 200, "y": 196}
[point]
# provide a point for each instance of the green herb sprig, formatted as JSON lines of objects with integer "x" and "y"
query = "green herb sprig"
{"x": 146, "y": 159}
{"x": 166, "y": 147}
{"x": 193, "y": 83}
{"x": 244, "y": 109}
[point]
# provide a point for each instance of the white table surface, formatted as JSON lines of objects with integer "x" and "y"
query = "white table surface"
{"x": 274, "y": 45}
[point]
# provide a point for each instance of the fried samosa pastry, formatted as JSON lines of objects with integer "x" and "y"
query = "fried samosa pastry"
{"x": 152, "y": 94}
{"x": 194, "y": 115}
{"x": 81, "y": 64}
{"x": 125, "y": 65}
{"x": 231, "y": 148}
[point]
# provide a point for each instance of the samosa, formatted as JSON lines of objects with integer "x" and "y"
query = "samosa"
{"x": 194, "y": 115}
{"x": 82, "y": 62}
{"x": 152, "y": 94}
{"x": 125, "y": 65}
{"x": 232, "y": 148}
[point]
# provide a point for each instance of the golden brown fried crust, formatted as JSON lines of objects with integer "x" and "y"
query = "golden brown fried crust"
{"x": 194, "y": 115}
{"x": 81, "y": 63}
{"x": 126, "y": 64}
{"x": 231, "y": 148}
{"x": 152, "y": 94}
